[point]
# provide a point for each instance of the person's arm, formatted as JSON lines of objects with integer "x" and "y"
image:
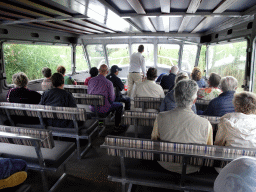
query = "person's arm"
{"x": 210, "y": 135}
{"x": 143, "y": 65}
{"x": 161, "y": 91}
{"x": 220, "y": 138}
{"x": 111, "y": 92}
{"x": 155, "y": 134}
{"x": 119, "y": 84}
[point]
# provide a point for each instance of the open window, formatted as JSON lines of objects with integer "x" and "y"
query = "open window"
{"x": 96, "y": 55}
{"x": 188, "y": 57}
{"x": 81, "y": 62}
{"x": 118, "y": 54}
{"x": 167, "y": 55}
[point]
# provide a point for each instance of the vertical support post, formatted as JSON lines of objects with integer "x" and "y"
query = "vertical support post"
{"x": 180, "y": 55}
{"x": 123, "y": 170}
{"x": 106, "y": 54}
{"x": 206, "y": 59}
{"x": 86, "y": 55}
{"x": 184, "y": 168}
{"x": 155, "y": 53}
{"x": 73, "y": 59}
{"x": 77, "y": 136}
{"x": 198, "y": 55}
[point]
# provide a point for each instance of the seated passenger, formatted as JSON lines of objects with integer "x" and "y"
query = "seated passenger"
{"x": 149, "y": 88}
{"x": 21, "y": 94}
{"x": 57, "y": 96}
{"x": 67, "y": 79}
{"x": 47, "y": 82}
{"x": 12, "y": 172}
{"x": 212, "y": 91}
{"x": 239, "y": 129}
{"x": 101, "y": 86}
{"x": 93, "y": 72}
{"x": 197, "y": 76}
{"x": 222, "y": 104}
{"x": 168, "y": 81}
{"x": 237, "y": 176}
{"x": 117, "y": 83}
{"x": 182, "y": 124}
{"x": 169, "y": 102}
{"x": 158, "y": 80}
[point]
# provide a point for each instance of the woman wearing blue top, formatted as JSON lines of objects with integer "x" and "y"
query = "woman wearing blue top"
{"x": 197, "y": 76}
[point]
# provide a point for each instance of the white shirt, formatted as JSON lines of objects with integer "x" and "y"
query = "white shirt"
{"x": 137, "y": 63}
{"x": 149, "y": 88}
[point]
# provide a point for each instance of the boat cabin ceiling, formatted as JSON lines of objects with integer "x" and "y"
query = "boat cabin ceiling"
{"x": 200, "y": 21}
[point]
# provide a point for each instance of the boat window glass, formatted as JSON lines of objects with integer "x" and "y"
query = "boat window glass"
{"x": 188, "y": 57}
{"x": 81, "y": 62}
{"x": 228, "y": 60}
{"x": 96, "y": 11}
{"x": 148, "y": 53}
{"x": 202, "y": 61}
{"x": 30, "y": 59}
{"x": 167, "y": 55}
{"x": 118, "y": 54}
{"x": 96, "y": 55}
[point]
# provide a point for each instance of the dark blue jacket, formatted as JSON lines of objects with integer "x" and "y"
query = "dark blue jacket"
{"x": 117, "y": 83}
{"x": 221, "y": 105}
{"x": 168, "y": 81}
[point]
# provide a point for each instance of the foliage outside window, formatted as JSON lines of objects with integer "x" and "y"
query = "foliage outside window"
{"x": 30, "y": 59}
{"x": 188, "y": 57}
{"x": 202, "y": 61}
{"x": 228, "y": 60}
{"x": 96, "y": 55}
{"x": 167, "y": 55}
{"x": 81, "y": 62}
{"x": 148, "y": 53}
{"x": 118, "y": 54}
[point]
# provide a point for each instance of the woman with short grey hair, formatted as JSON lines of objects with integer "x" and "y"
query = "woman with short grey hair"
{"x": 47, "y": 82}
{"x": 21, "y": 94}
{"x": 239, "y": 129}
{"x": 228, "y": 83}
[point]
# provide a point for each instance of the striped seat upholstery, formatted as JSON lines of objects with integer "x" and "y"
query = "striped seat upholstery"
{"x": 44, "y": 135}
{"x": 147, "y": 103}
{"x": 45, "y": 111}
{"x": 139, "y": 118}
{"x": 201, "y": 155}
{"x": 76, "y": 88}
{"x": 212, "y": 119}
{"x": 87, "y": 99}
{"x": 203, "y": 102}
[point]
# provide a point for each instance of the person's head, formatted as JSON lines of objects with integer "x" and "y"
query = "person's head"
{"x": 245, "y": 102}
{"x": 57, "y": 80}
{"x": 61, "y": 69}
{"x": 228, "y": 83}
{"x": 238, "y": 175}
{"x": 174, "y": 70}
{"x": 151, "y": 73}
{"x": 20, "y": 79}
{"x": 94, "y": 71}
{"x": 115, "y": 69}
{"x": 214, "y": 80}
{"x": 196, "y": 74}
{"x": 180, "y": 76}
{"x": 103, "y": 69}
{"x": 185, "y": 93}
{"x": 46, "y": 72}
{"x": 141, "y": 48}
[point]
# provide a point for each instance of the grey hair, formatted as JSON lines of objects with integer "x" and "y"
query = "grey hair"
{"x": 174, "y": 70}
{"x": 20, "y": 79}
{"x": 180, "y": 76}
{"x": 185, "y": 92}
{"x": 228, "y": 83}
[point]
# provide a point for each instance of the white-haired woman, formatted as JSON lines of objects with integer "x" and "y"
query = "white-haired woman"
{"x": 239, "y": 129}
{"x": 21, "y": 94}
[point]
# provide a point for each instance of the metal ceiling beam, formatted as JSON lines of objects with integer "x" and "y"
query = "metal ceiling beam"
{"x": 192, "y": 8}
{"x": 183, "y": 14}
{"x": 250, "y": 11}
{"x": 166, "y": 23}
{"x": 149, "y": 24}
{"x": 133, "y": 24}
{"x": 136, "y": 6}
{"x": 42, "y": 19}
{"x": 165, "y": 6}
{"x": 225, "y": 4}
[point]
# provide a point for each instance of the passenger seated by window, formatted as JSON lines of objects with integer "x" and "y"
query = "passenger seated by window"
{"x": 12, "y": 172}
{"x": 158, "y": 80}
{"x": 117, "y": 83}
{"x": 169, "y": 102}
{"x": 100, "y": 85}
{"x": 168, "y": 81}
{"x": 67, "y": 79}
{"x": 93, "y": 72}
{"x": 222, "y": 104}
{"x": 212, "y": 91}
{"x": 238, "y": 175}
{"x": 47, "y": 82}
{"x": 239, "y": 129}
{"x": 57, "y": 96}
{"x": 182, "y": 124}
{"x": 149, "y": 88}
{"x": 197, "y": 76}
{"x": 21, "y": 94}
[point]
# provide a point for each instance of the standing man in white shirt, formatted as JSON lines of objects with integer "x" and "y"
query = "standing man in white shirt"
{"x": 137, "y": 63}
